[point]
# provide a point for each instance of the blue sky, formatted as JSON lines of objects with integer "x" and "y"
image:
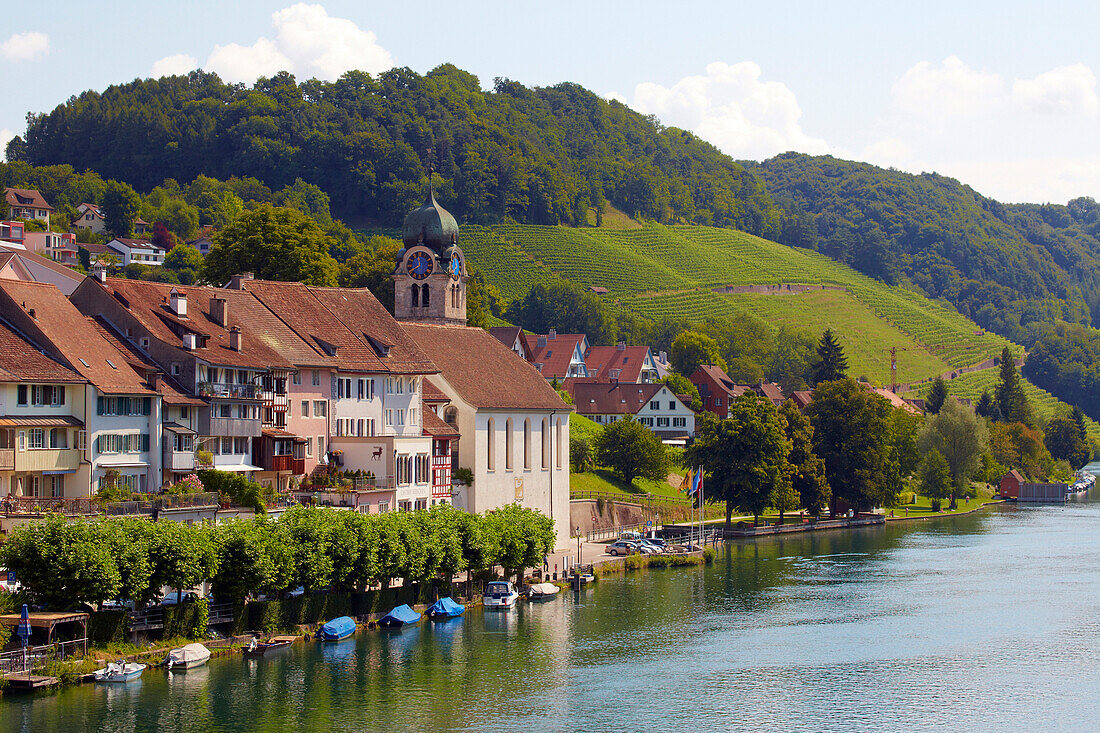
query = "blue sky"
{"x": 1001, "y": 95}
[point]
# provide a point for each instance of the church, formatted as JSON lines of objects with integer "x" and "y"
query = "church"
{"x": 514, "y": 428}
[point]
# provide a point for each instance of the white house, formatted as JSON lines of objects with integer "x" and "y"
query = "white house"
{"x": 141, "y": 251}
{"x": 654, "y": 405}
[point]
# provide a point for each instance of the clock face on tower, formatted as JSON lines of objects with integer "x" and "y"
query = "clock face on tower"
{"x": 419, "y": 265}
{"x": 456, "y": 268}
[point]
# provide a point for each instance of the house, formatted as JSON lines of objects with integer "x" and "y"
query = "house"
{"x": 1010, "y": 484}
{"x": 802, "y": 399}
{"x": 11, "y": 232}
{"x": 142, "y": 227}
{"x": 770, "y": 391}
{"x": 558, "y": 356}
{"x": 18, "y": 264}
{"x": 28, "y": 203}
{"x": 90, "y": 217}
{"x": 896, "y": 401}
{"x": 513, "y": 428}
{"x": 141, "y": 251}
{"x": 653, "y": 405}
{"x": 621, "y": 362}
{"x": 202, "y": 243}
{"x": 514, "y": 338}
{"x": 597, "y": 289}
{"x": 716, "y": 389}
{"x": 53, "y": 245}
{"x": 121, "y": 413}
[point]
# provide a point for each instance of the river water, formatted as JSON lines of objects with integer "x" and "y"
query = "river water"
{"x": 986, "y": 622}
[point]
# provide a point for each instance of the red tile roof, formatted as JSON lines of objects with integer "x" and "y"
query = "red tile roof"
{"x": 802, "y": 398}
{"x": 26, "y": 197}
{"x": 169, "y": 390}
{"x": 723, "y": 380}
{"x": 435, "y": 426}
{"x": 484, "y": 372}
{"x": 430, "y": 392}
{"x": 20, "y": 361}
{"x": 772, "y": 391}
{"x": 602, "y": 361}
{"x": 555, "y": 355}
{"x": 603, "y": 398}
{"x": 68, "y": 335}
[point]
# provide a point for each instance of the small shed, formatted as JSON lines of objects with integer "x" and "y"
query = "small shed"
{"x": 49, "y": 621}
{"x": 1010, "y": 484}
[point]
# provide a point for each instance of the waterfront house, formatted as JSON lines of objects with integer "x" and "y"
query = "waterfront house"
{"x": 1010, "y": 484}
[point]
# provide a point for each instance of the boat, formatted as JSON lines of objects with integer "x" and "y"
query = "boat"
{"x": 257, "y": 648}
{"x": 444, "y": 609}
{"x": 398, "y": 617}
{"x": 187, "y": 657}
{"x": 337, "y": 629}
{"x": 500, "y": 594}
{"x": 120, "y": 671}
{"x": 542, "y": 591}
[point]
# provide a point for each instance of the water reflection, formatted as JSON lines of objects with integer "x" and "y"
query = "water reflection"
{"x": 987, "y": 621}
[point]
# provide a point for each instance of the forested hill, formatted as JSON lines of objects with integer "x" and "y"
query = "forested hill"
{"x": 1005, "y": 266}
{"x": 539, "y": 156}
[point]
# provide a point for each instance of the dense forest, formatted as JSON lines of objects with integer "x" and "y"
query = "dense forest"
{"x": 541, "y": 156}
{"x": 1005, "y": 266}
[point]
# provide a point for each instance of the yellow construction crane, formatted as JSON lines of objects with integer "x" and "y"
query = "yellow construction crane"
{"x": 894, "y": 368}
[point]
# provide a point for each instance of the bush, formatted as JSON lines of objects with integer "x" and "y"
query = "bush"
{"x": 188, "y": 619}
{"x": 107, "y": 627}
{"x": 709, "y": 554}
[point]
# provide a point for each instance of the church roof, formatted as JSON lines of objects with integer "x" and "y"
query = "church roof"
{"x": 430, "y": 225}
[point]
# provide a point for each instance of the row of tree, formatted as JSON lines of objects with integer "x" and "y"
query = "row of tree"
{"x": 62, "y": 563}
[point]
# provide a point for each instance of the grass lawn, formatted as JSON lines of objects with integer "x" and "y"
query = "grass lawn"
{"x": 604, "y": 480}
{"x": 923, "y": 505}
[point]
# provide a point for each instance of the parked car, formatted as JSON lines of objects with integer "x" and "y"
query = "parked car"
{"x": 172, "y": 598}
{"x": 661, "y": 545}
{"x": 623, "y": 547}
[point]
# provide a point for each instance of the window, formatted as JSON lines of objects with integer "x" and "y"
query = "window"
{"x": 425, "y": 298}
{"x": 545, "y": 434}
{"x": 647, "y": 421}
{"x": 404, "y": 469}
{"x": 662, "y": 422}
{"x": 370, "y": 389}
{"x": 305, "y": 408}
{"x": 508, "y": 445}
{"x": 59, "y": 438}
{"x": 185, "y": 413}
{"x": 672, "y": 404}
{"x": 598, "y": 418}
{"x": 412, "y": 385}
{"x": 414, "y": 298}
{"x": 388, "y": 418}
{"x": 400, "y": 415}
{"x": 56, "y": 486}
{"x": 527, "y": 444}
{"x": 491, "y": 447}
{"x": 320, "y": 408}
{"x": 243, "y": 412}
{"x": 320, "y": 445}
{"x": 226, "y": 446}
{"x": 22, "y": 394}
{"x": 34, "y": 486}
{"x": 123, "y": 405}
{"x": 679, "y": 422}
{"x": 316, "y": 378}
{"x": 122, "y": 443}
{"x": 383, "y": 507}
{"x": 362, "y": 389}
{"x": 655, "y": 405}
{"x": 145, "y": 343}
{"x": 176, "y": 368}
{"x": 42, "y": 395}
{"x": 557, "y": 444}
{"x": 412, "y": 416}
{"x": 423, "y": 469}
{"x": 296, "y": 378}
{"x": 718, "y": 401}
{"x": 36, "y": 438}
{"x": 309, "y": 447}
{"x": 240, "y": 445}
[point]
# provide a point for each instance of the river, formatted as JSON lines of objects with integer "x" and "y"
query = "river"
{"x": 985, "y": 622}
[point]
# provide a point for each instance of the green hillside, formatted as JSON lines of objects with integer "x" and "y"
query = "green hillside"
{"x": 659, "y": 270}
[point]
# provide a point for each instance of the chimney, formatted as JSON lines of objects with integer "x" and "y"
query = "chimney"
{"x": 620, "y": 346}
{"x": 553, "y": 333}
{"x": 99, "y": 272}
{"x": 177, "y": 301}
{"x": 235, "y": 338}
{"x": 156, "y": 379}
{"x": 236, "y": 282}
{"x": 190, "y": 341}
{"x": 541, "y": 341}
{"x": 219, "y": 311}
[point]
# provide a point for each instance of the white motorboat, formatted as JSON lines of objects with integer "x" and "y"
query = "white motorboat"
{"x": 500, "y": 594}
{"x": 542, "y": 591}
{"x": 120, "y": 671}
{"x": 187, "y": 657}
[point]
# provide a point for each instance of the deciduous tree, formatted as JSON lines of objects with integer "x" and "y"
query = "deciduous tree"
{"x": 632, "y": 450}
{"x": 960, "y": 437}
{"x": 690, "y": 349}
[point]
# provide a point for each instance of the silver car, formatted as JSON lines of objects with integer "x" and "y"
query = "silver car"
{"x": 623, "y": 547}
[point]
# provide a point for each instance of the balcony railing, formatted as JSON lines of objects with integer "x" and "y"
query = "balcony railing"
{"x": 7, "y": 459}
{"x": 48, "y": 459}
{"x": 232, "y": 391}
{"x": 179, "y": 460}
{"x": 82, "y": 506}
{"x": 296, "y": 466}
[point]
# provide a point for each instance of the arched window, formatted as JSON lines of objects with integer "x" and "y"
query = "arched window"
{"x": 545, "y": 432}
{"x": 425, "y": 298}
{"x": 527, "y": 444}
{"x": 491, "y": 451}
{"x": 508, "y": 445}
{"x": 450, "y": 415}
{"x": 415, "y": 296}
{"x": 557, "y": 444}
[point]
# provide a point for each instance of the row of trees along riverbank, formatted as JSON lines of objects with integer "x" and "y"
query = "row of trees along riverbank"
{"x": 62, "y": 563}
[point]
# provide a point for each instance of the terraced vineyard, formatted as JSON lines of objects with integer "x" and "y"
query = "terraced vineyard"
{"x": 661, "y": 270}
{"x": 971, "y": 385}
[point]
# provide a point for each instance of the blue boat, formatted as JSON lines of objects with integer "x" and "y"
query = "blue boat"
{"x": 445, "y": 608}
{"x": 337, "y": 629}
{"x": 398, "y": 617}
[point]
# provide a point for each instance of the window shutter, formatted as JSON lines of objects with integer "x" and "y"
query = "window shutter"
{"x": 60, "y": 392}
{"x": 147, "y": 408}
{"x": 99, "y": 442}
{"x": 145, "y": 436}
{"x": 22, "y": 394}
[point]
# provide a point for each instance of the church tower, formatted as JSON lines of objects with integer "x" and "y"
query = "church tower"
{"x": 430, "y": 278}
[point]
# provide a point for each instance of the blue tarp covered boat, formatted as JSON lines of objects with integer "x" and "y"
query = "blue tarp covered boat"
{"x": 337, "y": 629}
{"x": 445, "y": 608}
{"x": 399, "y": 617}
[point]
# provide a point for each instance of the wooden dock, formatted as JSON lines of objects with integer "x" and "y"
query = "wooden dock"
{"x": 23, "y": 681}
{"x": 862, "y": 520}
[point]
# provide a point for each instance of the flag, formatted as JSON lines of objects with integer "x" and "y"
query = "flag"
{"x": 685, "y": 485}
{"x": 697, "y": 483}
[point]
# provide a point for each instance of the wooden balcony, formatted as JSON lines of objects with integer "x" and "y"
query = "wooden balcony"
{"x": 7, "y": 459}
{"x": 179, "y": 460}
{"x": 48, "y": 459}
{"x": 296, "y": 466}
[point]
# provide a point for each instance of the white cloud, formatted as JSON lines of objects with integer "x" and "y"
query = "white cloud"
{"x": 308, "y": 43}
{"x": 1067, "y": 90}
{"x": 176, "y": 65}
{"x": 26, "y": 46}
{"x": 5, "y": 137}
{"x": 733, "y": 109}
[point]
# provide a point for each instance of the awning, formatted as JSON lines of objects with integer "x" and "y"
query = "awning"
{"x": 40, "y": 421}
{"x": 173, "y": 427}
{"x": 237, "y": 468}
{"x": 120, "y": 463}
{"x": 58, "y": 473}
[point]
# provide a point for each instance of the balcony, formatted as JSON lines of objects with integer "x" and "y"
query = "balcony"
{"x": 48, "y": 459}
{"x": 7, "y": 459}
{"x": 296, "y": 466}
{"x": 229, "y": 391}
{"x": 179, "y": 460}
{"x": 240, "y": 427}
